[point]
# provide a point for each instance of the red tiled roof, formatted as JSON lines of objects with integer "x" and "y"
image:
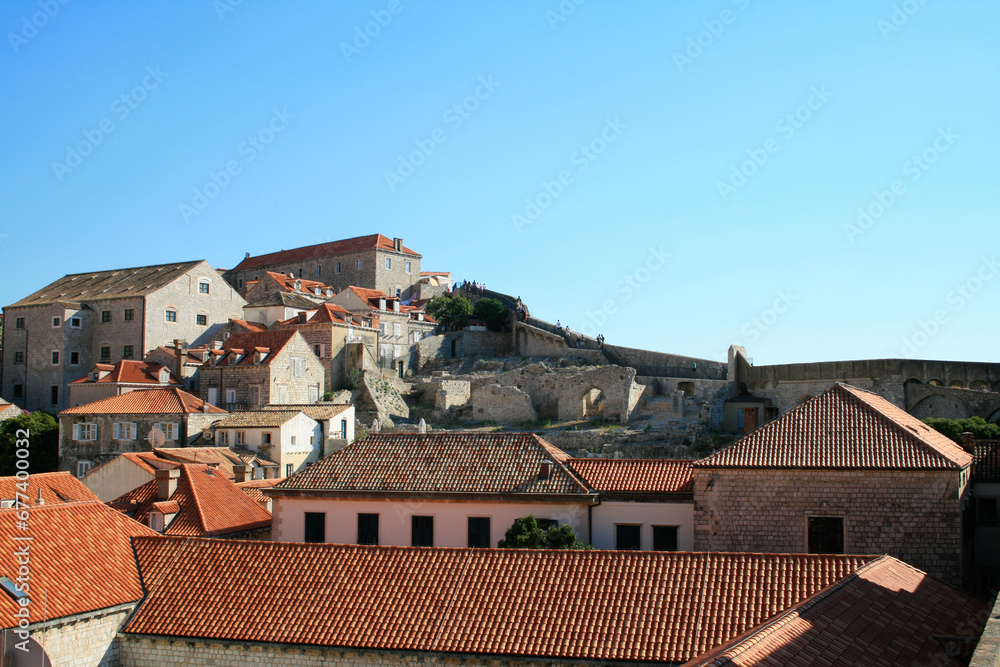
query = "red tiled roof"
{"x": 327, "y": 312}
{"x": 148, "y": 461}
{"x": 55, "y": 488}
{"x": 635, "y": 475}
{"x": 81, "y": 559}
{"x": 844, "y": 427}
{"x": 171, "y": 401}
{"x": 986, "y": 467}
{"x": 129, "y": 371}
{"x": 252, "y": 489}
{"x": 593, "y": 605}
{"x": 223, "y": 458}
{"x": 886, "y": 613}
{"x": 274, "y": 339}
{"x": 249, "y": 326}
{"x": 370, "y": 295}
{"x": 287, "y": 283}
{"x": 490, "y": 463}
{"x": 345, "y": 246}
{"x": 207, "y": 504}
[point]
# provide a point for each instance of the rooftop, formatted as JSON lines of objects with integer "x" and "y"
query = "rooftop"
{"x": 53, "y": 488}
{"x": 986, "y": 467}
{"x": 274, "y": 340}
{"x": 321, "y": 250}
{"x": 127, "y": 371}
{"x": 257, "y": 419}
{"x": 170, "y": 401}
{"x": 635, "y": 475}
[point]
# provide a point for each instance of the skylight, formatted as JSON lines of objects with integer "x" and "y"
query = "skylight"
{"x": 11, "y": 589}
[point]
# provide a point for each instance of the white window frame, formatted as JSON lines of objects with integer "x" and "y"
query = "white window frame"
{"x": 223, "y": 438}
{"x": 397, "y": 329}
{"x": 166, "y": 319}
{"x": 156, "y": 521}
{"x": 388, "y": 263}
{"x": 207, "y": 283}
{"x": 82, "y": 467}
{"x": 56, "y": 322}
{"x": 171, "y": 430}
{"x": 124, "y": 430}
{"x": 408, "y": 267}
{"x": 84, "y": 431}
{"x": 230, "y": 396}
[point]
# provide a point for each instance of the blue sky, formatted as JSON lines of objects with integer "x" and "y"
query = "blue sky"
{"x": 814, "y": 181}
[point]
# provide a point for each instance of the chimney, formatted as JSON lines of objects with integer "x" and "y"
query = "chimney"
{"x": 240, "y": 473}
{"x": 205, "y": 407}
{"x": 216, "y": 344}
{"x": 179, "y": 353}
{"x": 303, "y": 316}
{"x": 969, "y": 442}
{"x": 166, "y": 483}
{"x": 397, "y": 244}
{"x": 40, "y": 500}
{"x": 247, "y": 257}
{"x": 546, "y": 470}
{"x": 210, "y": 469}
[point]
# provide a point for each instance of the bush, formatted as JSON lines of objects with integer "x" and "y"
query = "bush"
{"x": 353, "y": 379}
{"x": 451, "y": 312}
{"x": 954, "y": 428}
{"x": 527, "y": 534}
{"x": 492, "y": 313}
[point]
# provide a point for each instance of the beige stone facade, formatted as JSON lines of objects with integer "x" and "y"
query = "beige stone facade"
{"x": 329, "y": 342}
{"x": 83, "y": 640}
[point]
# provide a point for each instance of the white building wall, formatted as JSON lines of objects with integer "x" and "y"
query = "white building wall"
{"x": 608, "y": 514}
{"x": 115, "y": 478}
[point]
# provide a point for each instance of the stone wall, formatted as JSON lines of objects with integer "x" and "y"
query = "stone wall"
{"x": 649, "y": 362}
{"x": 913, "y": 515}
{"x": 502, "y": 404}
{"x": 479, "y": 344}
{"x": 380, "y": 396}
{"x": 786, "y": 394}
{"x": 945, "y": 373}
{"x": 451, "y": 393}
{"x": 85, "y": 640}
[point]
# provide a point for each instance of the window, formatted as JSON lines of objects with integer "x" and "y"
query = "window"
{"x": 986, "y": 511}
{"x": 388, "y": 262}
{"x": 201, "y": 320}
{"x": 170, "y": 430}
{"x": 343, "y": 429}
{"x": 124, "y": 430}
{"x": 315, "y": 527}
{"x": 826, "y": 535}
{"x": 105, "y": 315}
{"x": 19, "y": 357}
{"x": 74, "y": 358}
{"x": 664, "y": 538}
{"x": 368, "y": 529}
{"x": 18, "y": 390}
{"x": 76, "y": 323}
{"x": 203, "y": 287}
{"x": 56, "y": 321}
{"x": 545, "y": 524}
{"x": 479, "y": 532}
{"x": 223, "y": 438}
{"x": 422, "y": 528}
{"x": 293, "y": 439}
{"x": 19, "y": 323}
{"x": 84, "y": 432}
{"x": 312, "y": 439}
{"x": 241, "y": 438}
{"x": 338, "y": 267}
{"x": 170, "y": 316}
{"x": 255, "y": 396}
{"x": 156, "y": 521}
{"x": 318, "y": 350}
{"x": 359, "y": 265}
{"x": 265, "y": 438}
{"x": 319, "y": 271}
{"x": 54, "y": 394}
{"x": 127, "y": 352}
{"x": 408, "y": 267}
{"x": 288, "y": 470}
{"x": 105, "y": 352}
{"x": 82, "y": 467}
{"x": 129, "y": 315}
{"x": 628, "y": 537}
{"x": 383, "y": 327}
{"x": 55, "y": 357}
{"x": 397, "y": 329}
{"x": 230, "y": 396}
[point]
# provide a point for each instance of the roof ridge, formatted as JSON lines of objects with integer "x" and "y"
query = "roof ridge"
{"x": 195, "y": 498}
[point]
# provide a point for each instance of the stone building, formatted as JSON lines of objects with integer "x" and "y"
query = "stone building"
{"x": 54, "y": 335}
{"x": 372, "y": 261}
{"x": 106, "y": 380}
{"x": 261, "y": 368}
{"x": 9, "y": 410}
{"x": 93, "y": 433}
{"x": 278, "y": 306}
{"x": 288, "y": 437}
{"x": 331, "y": 332}
{"x": 184, "y": 363}
{"x": 845, "y": 472}
{"x": 272, "y": 282}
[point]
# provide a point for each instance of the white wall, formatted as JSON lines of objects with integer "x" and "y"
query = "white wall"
{"x": 115, "y": 478}
{"x": 450, "y": 518}
{"x": 607, "y": 514}
{"x": 308, "y": 446}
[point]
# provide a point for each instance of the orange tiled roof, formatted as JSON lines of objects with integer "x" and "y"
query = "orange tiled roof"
{"x": 171, "y": 401}
{"x": 223, "y": 458}
{"x": 81, "y": 559}
{"x": 886, "y": 613}
{"x": 986, "y": 467}
{"x": 209, "y": 504}
{"x": 593, "y": 605}
{"x": 55, "y": 488}
{"x": 273, "y": 339}
{"x": 288, "y": 283}
{"x": 128, "y": 371}
{"x": 248, "y": 325}
{"x": 635, "y": 475}
{"x": 148, "y": 461}
{"x": 371, "y": 295}
{"x": 319, "y": 251}
{"x": 442, "y": 463}
{"x": 844, "y": 427}
{"x": 252, "y": 489}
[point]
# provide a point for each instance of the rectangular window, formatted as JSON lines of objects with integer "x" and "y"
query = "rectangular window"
{"x": 18, "y": 390}
{"x": 343, "y": 429}
{"x": 265, "y": 438}
{"x": 479, "y": 532}
{"x": 338, "y": 267}
{"x": 55, "y": 358}
{"x": 255, "y": 396}
{"x": 156, "y": 521}
{"x": 318, "y": 350}
{"x": 422, "y": 529}
{"x": 388, "y": 262}
{"x": 170, "y": 430}
{"x": 19, "y": 357}
{"x": 288, "y": 470}
{"x": 368, "y": 529}
{"x": 127, "y": 352}
{"x": 201, "y": 320}
{"x": 105, "y": 315}
{"x": 74, "y": 358}
{"x": 124, "y": 430}
{"x": 397, "y": 329}
{"x": 986, "y": 511}
{"x": 545, "y": 524}
{"x": 129, "y": 315}
{"x": 664, "y": 538}
{"x": 293, "y": 439}
{"x": 319, "y": 271}
{"x": 408, "y": 267}
{"x": 105, "y": 352}
{"x": 241, "y": 438}
{"x": 628, "y": 537}
{"x": 56, "y": 321}
{"x": 19, "y": 323}
{"x": 82, "y": 467}
{"x": 203, "y": 288}
{"x": 223, "y": 438}
{"x": 171, "y": 316}
{"x": 76, "y": 323}
{"x": 359, "y": 265}
{"x": 826, "y": 535}
{"x": 315, "y": 527}
{"x": 230, "y": 396}
{"x": 54, "y": 394}
{"x": 85, "y": 431}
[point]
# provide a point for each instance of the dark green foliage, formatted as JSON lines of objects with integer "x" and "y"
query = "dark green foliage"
{"x": 352, "y": 380}
{"x": 451, "y": 312}
{"x": 954, "y": 428}
{"x": 492, "y": 313}
{"x": 526, "y": 534}
{"x": 43, "y": 443}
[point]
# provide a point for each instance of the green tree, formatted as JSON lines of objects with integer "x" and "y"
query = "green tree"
{"x": 527, "y": 534}
{"x": 43, "y": 443}
{"x": 452, "y": 312}
{"x": 491, "y": 312}
{"x": 954, "y": 428}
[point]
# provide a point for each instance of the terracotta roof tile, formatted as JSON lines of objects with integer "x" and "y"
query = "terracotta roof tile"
{"x": 128, "y": 371}
{"x": 591, "y": 605}
{"x": 257, "y": 419}
{"x": 844, "y": 427}
{"x": 171, "y": 401}
{"x": 81, "y": 559}
{"x": 273, "y": 339}
{"x": 442, "y": 463}
{"x": 252, "y": 489}
{"x": 288, "y": 282}
{"x": 55, "y": 488}
{"x": 317, "y": 411}
{"x": 635, "y": 475}
{"x": 321, "y": 250}
{"x": 148, "y": 461}
{"x": 886, "y": 613}
{"x": 986, "y": 467}
{"x": 207, "y": 504}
